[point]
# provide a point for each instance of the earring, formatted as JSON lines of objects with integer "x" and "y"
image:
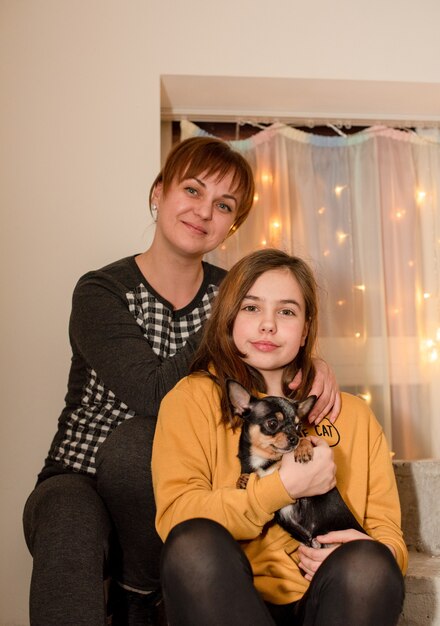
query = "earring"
{"x": 153, "y": 211}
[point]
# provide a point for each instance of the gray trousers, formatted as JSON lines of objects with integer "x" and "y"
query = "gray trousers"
{"x": 79, "y": 529}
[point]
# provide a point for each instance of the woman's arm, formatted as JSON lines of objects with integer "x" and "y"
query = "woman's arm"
{"x": 105, "y": 335}
{"x": 326, "y": 388}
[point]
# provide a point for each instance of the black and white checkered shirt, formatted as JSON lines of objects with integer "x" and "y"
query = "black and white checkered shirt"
{"x": 129, "y": 348}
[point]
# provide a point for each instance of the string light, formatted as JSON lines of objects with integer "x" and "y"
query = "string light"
{"x": 340, "y": 302}
{"x": 256, "y": 197}
{"x": 365, "y": 396}
{"x": 360, "y": 287}
{"x": 321, "y": 211}
{"x": 399, "y": 214}
{"x": 431, "y": 348}
{"x": 357, "y": 335}
{"x": 266, "y": 177}
{"x": 341, "y": 236}
{"x": 426, "y": 295}
{"x": 326, "y": 253}
{"x": 339, "y": 189}
{"x": 420, "y": 195}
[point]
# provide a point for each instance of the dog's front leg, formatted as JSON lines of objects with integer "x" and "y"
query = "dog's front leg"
{"x": 304, "y": 451}
{"x": 242, "y": 481}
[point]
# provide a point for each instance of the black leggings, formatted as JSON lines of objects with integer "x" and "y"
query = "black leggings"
{"x": 207, "y": 579}
{"x": 73, "y": 523}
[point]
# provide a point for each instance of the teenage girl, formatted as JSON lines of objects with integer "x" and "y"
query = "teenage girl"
{"x": 225, "y": 561}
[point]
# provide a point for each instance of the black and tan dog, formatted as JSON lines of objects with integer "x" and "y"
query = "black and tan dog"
{"x": 273, "y": 426}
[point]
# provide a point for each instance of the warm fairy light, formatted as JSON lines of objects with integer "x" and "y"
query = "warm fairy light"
{"x": 395, "y": 311}
{"x": 411, "y": 263}
{"x": 365, "y": 396}
{"x": 339, "y": 189}
{"x": 326, "y": 253}
{"x": 264, "y": 242}
{"x": 321, "y": 211}
{"x": 420, "y": 195}
{"x": 426, "y": 295}
{"x": 357, "y": 335}
{"x": 266, "y": 178}
{"x": 432, "y": 348}
{"x": 256, "y": 197}
{"x": 341, "y": 236}
{"x": 360, "y": 287}
{"x": 433, "y": 355}
{"x": 275, "y": 225}
{"x": 340, "y": 302}
{"x": 399, "y": 214}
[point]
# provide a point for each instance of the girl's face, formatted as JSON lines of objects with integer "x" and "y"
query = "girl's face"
{"x": 196, "y": 214}
{"x": 270, "y": 326}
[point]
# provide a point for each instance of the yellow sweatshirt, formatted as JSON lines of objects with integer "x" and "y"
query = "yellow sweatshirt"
{"x": 195, "y": 469}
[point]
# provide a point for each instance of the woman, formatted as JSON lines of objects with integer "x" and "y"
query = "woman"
{"x": 225, "y": 560}
{"x": 134, "y": 327}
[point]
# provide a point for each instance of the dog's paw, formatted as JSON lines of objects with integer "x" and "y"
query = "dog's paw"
{"x": 242, "y": 481}
{"x": 303, "y": 451}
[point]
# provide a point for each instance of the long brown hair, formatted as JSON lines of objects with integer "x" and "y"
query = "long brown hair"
{"x": 213, "y": 157}
{"x": 217, "y": 348}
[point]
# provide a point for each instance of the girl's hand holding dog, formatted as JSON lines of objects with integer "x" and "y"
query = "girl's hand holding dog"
{"x": 309, "y": 479}
{"x": 311, "y": 558}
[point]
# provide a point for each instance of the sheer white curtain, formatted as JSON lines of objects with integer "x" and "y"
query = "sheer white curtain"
{"x": 364, "y": 210}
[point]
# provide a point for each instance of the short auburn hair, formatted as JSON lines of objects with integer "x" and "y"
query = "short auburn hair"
{"x": 213, "y": 157}
{"x": 217, "y": 348}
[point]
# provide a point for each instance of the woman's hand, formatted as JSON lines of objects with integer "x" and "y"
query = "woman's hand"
{"x": 311, "y": 558}
{"x": 309, "y": 479}
{"x": 326, "y": 389}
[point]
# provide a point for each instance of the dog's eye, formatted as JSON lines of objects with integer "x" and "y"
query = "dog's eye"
{"x": 272, "y": 424}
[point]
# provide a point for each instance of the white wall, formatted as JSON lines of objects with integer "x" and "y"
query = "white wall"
{"x": 80, "y": 143}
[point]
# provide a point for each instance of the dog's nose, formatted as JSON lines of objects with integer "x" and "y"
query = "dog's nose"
{"x": 293, "y": 439}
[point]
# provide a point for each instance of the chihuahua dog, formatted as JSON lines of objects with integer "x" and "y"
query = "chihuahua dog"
{"x": 272, "y": 426}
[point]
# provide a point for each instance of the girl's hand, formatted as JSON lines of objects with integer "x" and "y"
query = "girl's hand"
{"x": 309, "y": 479}
{"x": 311, "y": 558}
{"x": 326, "y": 388}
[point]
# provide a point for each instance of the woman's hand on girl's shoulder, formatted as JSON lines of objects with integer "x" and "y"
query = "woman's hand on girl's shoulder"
{"x": 326, "y": 389}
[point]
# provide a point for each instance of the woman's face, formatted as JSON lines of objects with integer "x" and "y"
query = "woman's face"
{"x": 196, "y": 214}
{"x": 271, "y": 327}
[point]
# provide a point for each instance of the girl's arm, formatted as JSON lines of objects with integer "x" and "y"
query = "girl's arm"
{"x": 382, "y": 517}
{"x": 382, "y": 514}
{"x": 106, "y": 336}
{"x": 195, "y": 467}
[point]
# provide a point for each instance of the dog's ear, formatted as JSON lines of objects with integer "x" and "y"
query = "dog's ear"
{"x": 303, "y": 408}
{"x": 238, "y": 396}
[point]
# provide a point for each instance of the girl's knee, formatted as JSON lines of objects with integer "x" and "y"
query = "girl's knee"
{"x": 362, "y": 561}
{"x": 194, "y": 544}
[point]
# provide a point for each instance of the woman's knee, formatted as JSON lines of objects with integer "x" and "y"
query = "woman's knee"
{"x": 66, "y": 506}
{"x": 124, "y": 458}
